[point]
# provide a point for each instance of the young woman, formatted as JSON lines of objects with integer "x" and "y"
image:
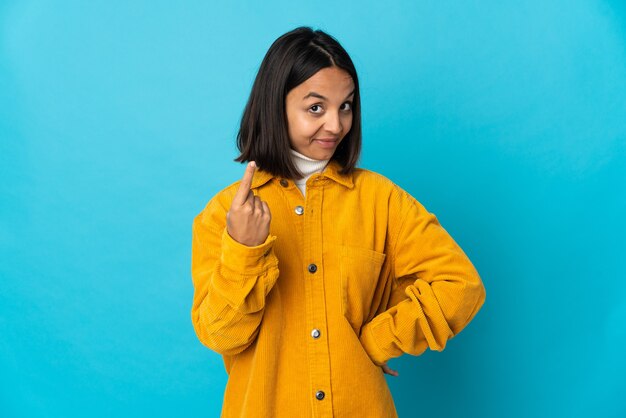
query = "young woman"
{"x": 310, "y": 273}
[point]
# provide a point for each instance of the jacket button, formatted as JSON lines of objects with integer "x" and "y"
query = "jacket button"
{"x": 299, "y": 210}
{"x": 319, "y": 395}
{"x": 315, "y": 333}
{"x": 284, "y": 183}
{"x": 312, "y": 268}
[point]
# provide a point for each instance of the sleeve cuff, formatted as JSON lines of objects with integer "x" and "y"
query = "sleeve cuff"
{"x": 368, "y": 341}
{"x": 244, "y": 259}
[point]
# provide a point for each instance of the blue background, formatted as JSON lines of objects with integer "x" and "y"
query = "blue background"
{"x": 507, "y": 119}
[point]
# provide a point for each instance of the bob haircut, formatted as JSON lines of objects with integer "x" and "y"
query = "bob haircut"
{"x": 293, "y": 58}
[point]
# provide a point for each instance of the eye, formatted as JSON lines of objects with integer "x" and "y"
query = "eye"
{"x": 314, "y": 108}
{"x": 349, "y": 108}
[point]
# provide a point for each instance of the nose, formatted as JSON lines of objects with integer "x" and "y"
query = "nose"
{"x": 333, "y": 123}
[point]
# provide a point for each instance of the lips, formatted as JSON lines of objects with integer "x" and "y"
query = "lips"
{"x": 326, "y": 143}
{"x": 326, "y": 139}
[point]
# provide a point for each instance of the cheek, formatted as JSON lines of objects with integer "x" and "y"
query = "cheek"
{"x": 347, "y": 123}
{"x": 305, "y": 126}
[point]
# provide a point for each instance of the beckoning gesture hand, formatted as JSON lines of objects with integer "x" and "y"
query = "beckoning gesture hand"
{"x": 248, "y": 219}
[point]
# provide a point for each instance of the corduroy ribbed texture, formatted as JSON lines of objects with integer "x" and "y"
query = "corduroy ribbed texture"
{"x": 363, "y": 275}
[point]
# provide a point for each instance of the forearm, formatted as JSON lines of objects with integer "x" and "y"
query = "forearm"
{"x": 230, "y": 291}
{"x": 427, "y": 318}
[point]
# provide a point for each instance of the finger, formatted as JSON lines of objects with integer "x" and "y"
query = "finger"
{"x": 246, "y": 182}
{"x": 258, "y": 206}
{"x": 249, "y": 201}
{"x": 389, "y": 370}
{"x": 266, "y": 208}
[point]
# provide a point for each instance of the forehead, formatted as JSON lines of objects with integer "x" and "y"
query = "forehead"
{"x": 328, "y": 80}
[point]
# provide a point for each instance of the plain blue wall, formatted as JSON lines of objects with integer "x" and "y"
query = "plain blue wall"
{"x": 507, "y": 119}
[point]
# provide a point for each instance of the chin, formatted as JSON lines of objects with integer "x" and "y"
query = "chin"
{"x": 324, "y": 156}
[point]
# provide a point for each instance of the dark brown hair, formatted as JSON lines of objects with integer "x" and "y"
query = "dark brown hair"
{"x": 293, "y": 58}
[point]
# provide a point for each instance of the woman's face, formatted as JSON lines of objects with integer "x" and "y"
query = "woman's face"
{"x": 319, "y": 112}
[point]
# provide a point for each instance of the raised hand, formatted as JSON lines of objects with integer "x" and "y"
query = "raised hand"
{"x": 248, "y": 219}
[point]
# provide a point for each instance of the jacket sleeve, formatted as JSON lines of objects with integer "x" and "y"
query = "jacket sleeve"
{"x": 231, "y": 281}
{"x": 442, "y": 290}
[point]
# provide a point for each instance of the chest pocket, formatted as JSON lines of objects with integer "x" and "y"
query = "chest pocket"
{"x": 360, "y": 272}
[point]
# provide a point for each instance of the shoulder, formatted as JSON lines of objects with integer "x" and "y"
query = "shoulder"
{"x": 372, "y": 180}
{"x": 366, "y": 177}
{"x": 384, "y": 188}
{"x": 217, "y": 206}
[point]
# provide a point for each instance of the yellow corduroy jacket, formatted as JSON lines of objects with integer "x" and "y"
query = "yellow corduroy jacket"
{"x": 355, "y": 274}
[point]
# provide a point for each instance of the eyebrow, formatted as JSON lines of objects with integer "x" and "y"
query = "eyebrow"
{"x": 319, "y": 96}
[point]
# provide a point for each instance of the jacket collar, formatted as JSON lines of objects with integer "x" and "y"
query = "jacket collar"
{"x": 331, "y": 171}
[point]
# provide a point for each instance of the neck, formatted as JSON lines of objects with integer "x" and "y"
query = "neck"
{"x": 307, "y": 165}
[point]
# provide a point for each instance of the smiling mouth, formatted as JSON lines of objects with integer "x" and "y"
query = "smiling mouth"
{"x": 326, "y": 144}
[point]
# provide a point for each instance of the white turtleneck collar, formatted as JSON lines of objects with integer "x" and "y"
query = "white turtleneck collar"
{"x": 307, "y": 166}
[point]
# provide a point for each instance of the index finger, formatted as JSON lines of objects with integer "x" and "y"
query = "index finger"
{"x": 246, "y": 182}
